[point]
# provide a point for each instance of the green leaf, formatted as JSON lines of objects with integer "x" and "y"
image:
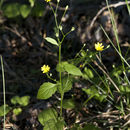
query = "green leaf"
{"x": 38, "y": 9}
{"x": 25, "y": 10}
{"x": 15, "y": 100}
{"x": 17, "y": 111}
{"x": 11, "y": 10}
{"x": 93, "y": 92}
{"x": 71, "y": 69}
{"x": 52, "y": 125}
{"x": 47, "y": 115}
{"x": 51, "y": 40}
{"x": 7, "y": 109}
{"x": 32, "y": 2}
{"x": 124, "y": 89}
{"x": 88, "y": 74}
{"x": 60, "y": 67}
{"x": 60, "y": 125}
{"x": 68, "y": 104}
{"x": 66, "y": 84}
{"x": 23, "y": 101}
{"x": 46, "y": 90}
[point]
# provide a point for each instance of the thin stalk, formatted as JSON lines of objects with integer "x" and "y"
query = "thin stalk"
{"x": 117, "y": 39}
{"x": 54, "y": 12}
{"x": 115, "y": 47}
{"x": 109, "y": 90}
{"x": 51, "y": 78}
{"x": 63, "y": 16}
{"x": 61, "y": 104}
{"x": 1, "y": 2}
{"x": 3, "y": 77}
{"x": 128, "y": 7}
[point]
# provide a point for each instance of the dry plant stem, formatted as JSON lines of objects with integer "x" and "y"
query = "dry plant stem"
{"x": 15, "y": 31}
{"x": 128, "y": 122}
{"x": 104, "y": 8}
{"x": 3, "y": 77}
{"x": 101, "y": 63}
{"x": 107, "y": 75}
{"x": 112, "y": 114}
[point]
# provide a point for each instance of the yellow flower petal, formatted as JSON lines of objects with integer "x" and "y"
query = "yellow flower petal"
{"x": 45, "y": 68}
{"x": 99, "y": 46}
{"x": 47, "y": 0}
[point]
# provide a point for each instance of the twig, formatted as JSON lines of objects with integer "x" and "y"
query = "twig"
{"x": 128, "y": 122}
{"x": 104, "y": 8}
{"x": 16, "y": 32}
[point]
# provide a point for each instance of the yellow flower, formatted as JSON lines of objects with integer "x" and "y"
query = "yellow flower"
{"x": 47, "y": 0}
{"x": 45, "y": 68}
{"x": 81, "y": 66}
{"x": 99, "y": 46}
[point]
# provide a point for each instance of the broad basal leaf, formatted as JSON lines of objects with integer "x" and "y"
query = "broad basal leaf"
{"x": 25, "y": 10}
{"x": 46, "y": 90}
{"x": 52, "y": 125}
{"x": 7, "y": 109}
{"x": 17, "y": 111}
{"x": 11, "y": 10}
{"x": 23, "y": 101}
{"x": 68, "y": 104}
{"x": 47, "y": 115}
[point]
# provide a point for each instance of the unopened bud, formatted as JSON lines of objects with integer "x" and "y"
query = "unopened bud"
{"x": 57, "y": 34}
{"x": 66, "y": 8}
{"x": 108, "y": 46}
{"x": 73, "y": 28}
{"x": 60, "y": 27}
{"x": 58, "y": 1}
{"x": 84, "y": 45}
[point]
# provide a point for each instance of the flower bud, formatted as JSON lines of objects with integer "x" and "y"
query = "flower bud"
{"x": 108, "y": 46}
{"x": 57, "y": 34}
{"x": 60, "y": 27}
{"x": 73, "y": 28}
{"x": 58, "y": 1}
{"x": 66, "y": 8}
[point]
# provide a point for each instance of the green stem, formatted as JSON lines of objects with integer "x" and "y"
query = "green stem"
{"x": 60, "y": 79}
{"x": 61, "y": 104}
{"x": 3, "y": 77}
{"x": 51, "y": 78}
{"x": 1, "y": 3}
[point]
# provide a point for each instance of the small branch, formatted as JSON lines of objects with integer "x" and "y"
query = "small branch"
{"x": 104, "y": 8}
{"x": 15, "y": 31}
